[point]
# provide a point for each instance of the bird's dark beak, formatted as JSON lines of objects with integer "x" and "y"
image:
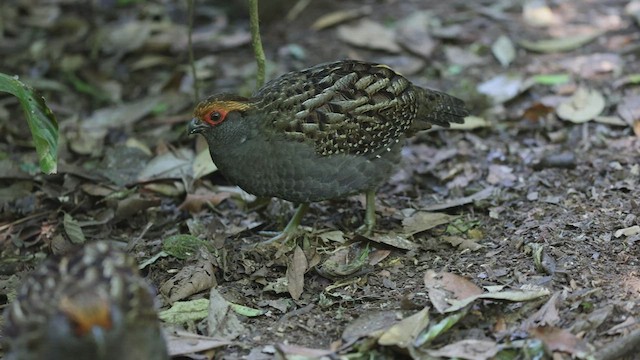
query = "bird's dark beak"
{"x": 195, "y": 126}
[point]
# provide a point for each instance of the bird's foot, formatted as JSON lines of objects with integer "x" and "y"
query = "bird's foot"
{"x": 366, "y": 229}
{"x": 290, "y": 231}
{"x": 278, "y": 237}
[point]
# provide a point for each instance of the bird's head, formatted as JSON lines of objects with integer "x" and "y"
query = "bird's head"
{"x": 85, "y": 323}
{"x": 217, "y": 110}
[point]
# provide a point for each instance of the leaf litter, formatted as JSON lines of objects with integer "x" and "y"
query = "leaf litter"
{"x": 497, "y": 185}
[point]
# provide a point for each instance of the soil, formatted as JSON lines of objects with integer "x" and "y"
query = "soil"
{"x": 554, "y": 204}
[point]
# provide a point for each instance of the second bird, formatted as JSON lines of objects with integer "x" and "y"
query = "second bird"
{"x": 322, "y": 133}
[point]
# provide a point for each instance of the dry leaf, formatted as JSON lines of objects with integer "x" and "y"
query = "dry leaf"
{"x": 584, "y": 105}
{"x": 295, "y": 273}
{"x": 222, "y": 321}
{"x": 504, "y": 50}
{"x": 340, "y": 16}
{"x": 191, "y": 279}
{"x": 369, "y": 34}
{"x": 369, "y": 324}
{"x": 181, "y": 342}
{"x": 538, "y": 13}
{"x": 444, "y": 287}
{"x": 467, "y": 349}
{"x": 557, "y": 339}
{"x": 559, "y": 44}
{"x": 422, "y": 220}
{"x": 405, "y": 332}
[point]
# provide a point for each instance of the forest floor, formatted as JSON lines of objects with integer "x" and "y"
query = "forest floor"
{"x": 533, "y": 203}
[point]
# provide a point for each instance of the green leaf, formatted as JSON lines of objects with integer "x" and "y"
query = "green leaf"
{"x": 185, "y": 311}
{"x": 42, "y": 122}
{"x": 73, "y": 230}
{"x": 246, "y": 311}
{"x": 551, "y": 79}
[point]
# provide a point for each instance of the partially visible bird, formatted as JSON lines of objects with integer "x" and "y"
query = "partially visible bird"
{"x": 92, "y": 304}
{"x": 323, "y": 133}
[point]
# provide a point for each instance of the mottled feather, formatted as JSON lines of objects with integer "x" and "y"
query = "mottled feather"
{"x": 352, "y": 107}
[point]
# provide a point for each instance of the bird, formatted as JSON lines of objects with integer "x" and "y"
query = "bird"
{"x": 89, "y": 304}
{"x": 322, "y": 133}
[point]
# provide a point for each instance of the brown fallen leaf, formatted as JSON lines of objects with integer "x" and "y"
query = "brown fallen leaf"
{"x": 295, "y": 273}
{"x": 405, "y": 332}
{"x": 369, "y": 324}
{"x": 422, "y": 221}
{"x": 369, "y": 34}
{"x": 547, "y": 315}
{"x": 557, "y": 339}
{"x": 467, "y": 349}
{"x": 443, "y": 287}
{"x": 222, "y": 321}
{"x": 180, "y": 342}
{"x": 191, "y": 279}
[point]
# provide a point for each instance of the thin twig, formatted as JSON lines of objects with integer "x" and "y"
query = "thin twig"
{"x": 192, "y": 60}
{"x": 256, "y": 42}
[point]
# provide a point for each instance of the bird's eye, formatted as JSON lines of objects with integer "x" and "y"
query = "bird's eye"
{"x": 215, "y": 117}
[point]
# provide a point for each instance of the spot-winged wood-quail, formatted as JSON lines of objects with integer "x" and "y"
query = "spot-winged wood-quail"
{"x": 90, "y": 304}
{"x": 326, "y": 132}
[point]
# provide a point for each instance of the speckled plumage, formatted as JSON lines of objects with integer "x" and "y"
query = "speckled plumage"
{"x": 91, "y": 304}
{"x": 322, "y": 133}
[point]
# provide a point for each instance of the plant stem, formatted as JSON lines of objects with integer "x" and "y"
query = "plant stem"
{"x": 192, "y": 61}
{"x": 256, "y": 42}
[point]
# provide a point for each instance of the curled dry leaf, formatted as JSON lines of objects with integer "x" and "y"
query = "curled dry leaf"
{"x": 584, "y": 105}
{"x": 547, "y": 315}
{"x": 203, "y": 165}
{"x": 470, "y": 123}
{"x": 444, "y": 286}
{"x": 182, "y": 343}
{"x": 503, "y": 87}
{"x": 559, "y": 44}
{"x": 340, "y": 16}
{"x": 222, "y": 320}
{"x": 191, "y": 279}
{"x": 462, "y": 243}
{"x": 369, "y": 34}
{"x": 405, "y": 332}
{"x": 398, "y": 241}
{"x": 369, "y": 324}
{"x": 423, "y": 220}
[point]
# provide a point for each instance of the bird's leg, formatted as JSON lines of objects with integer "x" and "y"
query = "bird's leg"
{"x": 370, "y": 215}
{"x": 292, "y": 227}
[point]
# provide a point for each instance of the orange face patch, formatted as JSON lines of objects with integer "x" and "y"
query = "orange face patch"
{"x": 86, "y": 314}
{"x": 215, "y": 112}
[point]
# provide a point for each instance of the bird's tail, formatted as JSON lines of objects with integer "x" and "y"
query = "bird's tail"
{"x": 439, "y": 108}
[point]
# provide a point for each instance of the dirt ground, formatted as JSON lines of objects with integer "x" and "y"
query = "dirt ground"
{"x": 535, "y": 199}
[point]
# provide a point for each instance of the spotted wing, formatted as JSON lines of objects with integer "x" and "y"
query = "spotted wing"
{"x": 343, "y": 107}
